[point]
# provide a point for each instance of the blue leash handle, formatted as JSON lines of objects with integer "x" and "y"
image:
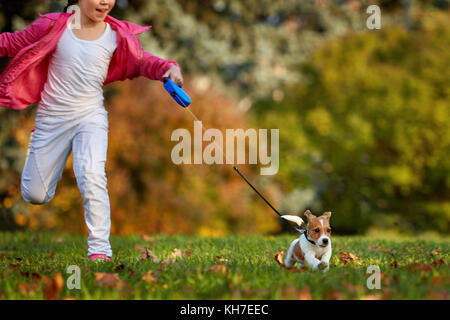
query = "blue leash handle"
{"x": 177, "y": 93}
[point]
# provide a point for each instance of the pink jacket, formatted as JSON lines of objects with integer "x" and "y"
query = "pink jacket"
{"x": 22, "y": 82}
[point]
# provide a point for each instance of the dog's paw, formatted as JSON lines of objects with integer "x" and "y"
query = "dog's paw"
{"x": 322, "y": 265}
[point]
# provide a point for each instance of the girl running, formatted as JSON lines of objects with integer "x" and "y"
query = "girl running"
{"x": 61, "y": 61}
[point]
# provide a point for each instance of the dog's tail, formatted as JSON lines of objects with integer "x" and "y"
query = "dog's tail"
{"x": 295, "y": 221}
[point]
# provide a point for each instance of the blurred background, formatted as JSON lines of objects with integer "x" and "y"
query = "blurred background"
{"x": 363, "y": 117}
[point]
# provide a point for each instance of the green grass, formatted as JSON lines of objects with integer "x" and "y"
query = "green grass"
{"x": 29, "y": 261}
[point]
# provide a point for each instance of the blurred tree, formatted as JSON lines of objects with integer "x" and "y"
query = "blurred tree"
{"x": 369, "y": 129}
{"x": 244, "y": 49}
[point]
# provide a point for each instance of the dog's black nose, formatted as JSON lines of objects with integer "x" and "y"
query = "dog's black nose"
{"x": 325, "y": 240}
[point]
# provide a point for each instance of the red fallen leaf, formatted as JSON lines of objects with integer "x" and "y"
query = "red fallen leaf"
{"x": 394, "y": 264}
{"x": 36, "y": 276}
{"x": 111, "y": 280}
{"x": 53, "y": 286}
{"x": 51, "y": 255}
{"x": 188, "y": 252}
{"x": 148, "y": 277}
{"x": 419, "y": 267}
{"x": 385, "y": 278}
{"x": 24, "y": 273}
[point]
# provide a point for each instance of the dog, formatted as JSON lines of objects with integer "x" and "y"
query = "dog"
{"x": 314, "y": 244}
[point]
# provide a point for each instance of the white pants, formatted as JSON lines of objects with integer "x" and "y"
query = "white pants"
{"x": 50, "y": 146}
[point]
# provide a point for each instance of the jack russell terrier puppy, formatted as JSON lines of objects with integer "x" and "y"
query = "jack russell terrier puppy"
{"x": 313, "y": 245}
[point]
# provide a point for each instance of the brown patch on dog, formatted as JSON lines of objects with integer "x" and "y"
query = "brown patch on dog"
{"x": 279, "y": 258}
{"x": 298, "y": 252}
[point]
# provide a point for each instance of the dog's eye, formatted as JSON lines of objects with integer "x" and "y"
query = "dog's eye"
{"x": 329, "y": 230}
{"x": 317, "y": 230}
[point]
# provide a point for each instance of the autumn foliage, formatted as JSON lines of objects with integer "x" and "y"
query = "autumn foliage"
{"x": 148, "y": 192}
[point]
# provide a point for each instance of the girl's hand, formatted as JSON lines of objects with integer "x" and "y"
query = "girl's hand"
{"x": 174, "y": 73}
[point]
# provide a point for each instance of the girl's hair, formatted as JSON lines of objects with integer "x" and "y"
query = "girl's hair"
{"x": 69, "y": 3}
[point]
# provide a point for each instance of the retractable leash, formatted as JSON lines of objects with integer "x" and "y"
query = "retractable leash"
{"x": 177, "y": 93}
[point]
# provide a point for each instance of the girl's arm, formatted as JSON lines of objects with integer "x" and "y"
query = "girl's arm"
{"x": 154, "y": 67}
{"x": 12, "y": 43}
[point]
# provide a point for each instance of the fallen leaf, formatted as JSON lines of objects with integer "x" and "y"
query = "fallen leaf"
{"x": 148, "y": 277}
{"x": 188, "y": 252}
{"x": 53, "y": 286}
{"x": 349, "y": 257}
{"x": 111, "y": 280}
{"x": 147, "y": 255}
{"x": 334, "y": 295}
{"x": 27, "y": 288}
{"x": 436, "y": 252}
{"x": 436, "y": 280}
{"x": 175, "y": 254}
{"x": 218, "y": 268}
{"x": 441, "y": 295}
{"x": 172, "y": 257}
{"x": 279, "y": 258}
{"x": 59, "y": 240}
{"x": 375, "y": 296}
{"x": 147, "y": 238}
{"x": 304, "y": 294}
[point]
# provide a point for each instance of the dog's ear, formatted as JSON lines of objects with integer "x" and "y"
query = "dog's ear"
{"x": 309, "y": 215}
{"x": 295, "y": 221}
{"x": 327, "y": 215}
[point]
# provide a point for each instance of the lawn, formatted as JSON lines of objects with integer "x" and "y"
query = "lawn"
{"x": 34, "y": 266}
